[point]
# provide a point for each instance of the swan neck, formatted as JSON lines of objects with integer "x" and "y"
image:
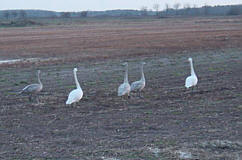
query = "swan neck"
{"x": 192, "y": 69}
{"x": 76, "y": 81}
{"x": 142, "y": 73}
{"x": 126, "y": 75}
{"x": 39, "y": 79}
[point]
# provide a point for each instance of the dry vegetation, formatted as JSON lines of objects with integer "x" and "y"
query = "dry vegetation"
{"x": 169, "y": 122}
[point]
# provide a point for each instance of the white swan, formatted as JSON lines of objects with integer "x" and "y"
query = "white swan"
{"x": 192, "y": 79}
{"x": 124, "y": 89}
{"x": 33, "y": 89}
{"x": 139, "y": 85}
{"x": 76, "y": 94}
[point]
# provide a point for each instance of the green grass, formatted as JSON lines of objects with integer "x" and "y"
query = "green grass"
{"x": 4, "y": 73}
{"x": 71, "y": 86}
{"x": 148, "y": 112}
{"x": 3, "y": 80}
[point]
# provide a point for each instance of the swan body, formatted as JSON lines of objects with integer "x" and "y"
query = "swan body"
{"x": 124, "y": 88}
{"x": 33, "y": 88}
{"x": 76, "y": 94}
{"x": 192, "y": 79}
{"x": 139, "y": 85}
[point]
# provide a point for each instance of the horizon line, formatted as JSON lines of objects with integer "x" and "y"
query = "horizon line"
{"x": 109, "y": 9}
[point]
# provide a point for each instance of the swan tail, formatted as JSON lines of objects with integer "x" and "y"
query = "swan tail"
{"x": 120, "y": 94}
{"x": 187, "y": 85}
{"x": 68, "y": 102}
{"x": 20, "y": 92}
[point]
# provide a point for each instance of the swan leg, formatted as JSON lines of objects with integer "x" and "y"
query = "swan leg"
{"x": 141, "y": 94}
{"x": 129, "y": 96}
{"x": 37, "y": 99}
{"x": 73, "y": 104}
{"x": 136, "y": 94}
{"x": 187, "y": 91}
{"x": 30, "y": 98}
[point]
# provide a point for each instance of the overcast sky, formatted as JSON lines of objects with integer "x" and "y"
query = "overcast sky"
{"x": 78, "y": 5}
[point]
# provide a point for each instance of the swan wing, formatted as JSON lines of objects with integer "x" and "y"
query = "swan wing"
{"x": 191, "y": 81}
{"x": 32, "y": 88}
{"x": 123, "y": 89}
{"x": 138, "y": 85}
{"x": 74, "y": 96}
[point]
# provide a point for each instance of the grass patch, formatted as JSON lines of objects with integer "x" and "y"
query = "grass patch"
{"x": 20, "y": 23}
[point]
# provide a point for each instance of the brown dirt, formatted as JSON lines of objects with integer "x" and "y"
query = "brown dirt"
{"x": 168, "y": 118}
{"x": 122, "y": 38}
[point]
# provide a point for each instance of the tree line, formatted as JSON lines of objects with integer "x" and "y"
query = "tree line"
{"x": 14, "y": 14}
{"x": 23, "y": 14}
{"x": 192, "y": 10}
{"x": 176, "y": 9}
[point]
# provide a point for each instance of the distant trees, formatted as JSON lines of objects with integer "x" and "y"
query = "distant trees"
{"x": 6, "y": 14}
{"x": 234, "y": 10}
{"x": 205, "y": 9}
{"x": 187, "y": 8}
{"x": 22, "y": 14}
{"x": 65, "y": 14}
{"x": 176, "y": 6}
{"x": 144, "y": 11}
{"x": 195, "y": 10}
{"x": 167, "y": 8}
{"x": 73, "y": 14}
{"x": 84, "y": 13}
{"x": 53, "y": 16}
{"x": 14, "y": 14}
{"x": 156, "y": 7}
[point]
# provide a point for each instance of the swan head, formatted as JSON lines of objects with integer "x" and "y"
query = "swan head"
{"x": 38, "y": 71}
{"x": 125, "y": 63}
{"x": 75, "y": 69}
{"x": 190, "y": 59}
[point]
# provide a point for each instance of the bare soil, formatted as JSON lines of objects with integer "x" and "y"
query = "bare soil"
{"x": 167, "y": 123}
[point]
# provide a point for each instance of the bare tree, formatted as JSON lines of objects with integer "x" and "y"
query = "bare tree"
{"x": 144, "y": 11}
{"x": 6, "y": 14}
{"x": 176, "y": 6}
{"x": 187, "y": 8}
{"x": 156, "y": 7}
{"x": 22, "y": 14}
{"x": 65, "y": 14}
{"x": 195, "y": 10}
{"x": 234, "y": 10}
{"x": 53, "y": 16}
{"x": 206, "y": 8}
{"x": 14, "y": 14}
{"x": 84, "y": 13}
{"x": 167, "y": 8}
